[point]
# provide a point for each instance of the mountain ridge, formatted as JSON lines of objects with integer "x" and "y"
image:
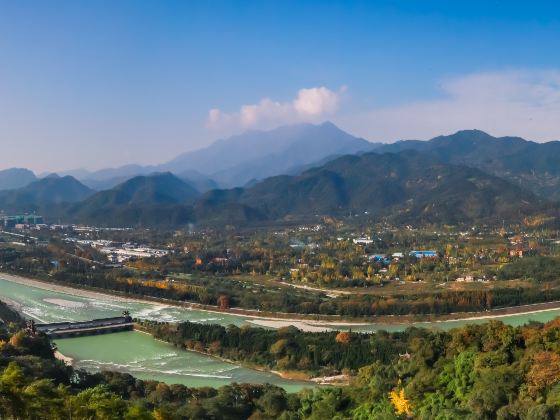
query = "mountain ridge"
{"x": 138, "y": 198}
{"x": 531, "y": 165}
{"x": 45, "y": 192}
{"x": 406, "y": 187}
{"x": 236, "y": 160}
{"x": 383, "y": 183}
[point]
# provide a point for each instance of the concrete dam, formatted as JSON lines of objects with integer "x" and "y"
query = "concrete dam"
{"x": 82, "y": 328}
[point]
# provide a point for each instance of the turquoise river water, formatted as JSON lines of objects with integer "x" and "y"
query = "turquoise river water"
{"x": 146, "y": 358}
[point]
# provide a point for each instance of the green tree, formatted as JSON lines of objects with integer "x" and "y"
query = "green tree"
{"x": 97, "y": 402}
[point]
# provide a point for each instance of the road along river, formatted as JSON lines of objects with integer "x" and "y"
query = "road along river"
{"x": 146, "y": 358}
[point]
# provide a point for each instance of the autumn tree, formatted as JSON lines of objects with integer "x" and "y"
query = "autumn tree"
{"x": 544, "y": 373}
{"x": 400, "y": 402}
{"x": 223, "y": 302}
{"x": 343, "y": 337}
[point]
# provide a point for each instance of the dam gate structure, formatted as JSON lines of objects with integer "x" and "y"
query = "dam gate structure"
{"x": 83, "y": 328}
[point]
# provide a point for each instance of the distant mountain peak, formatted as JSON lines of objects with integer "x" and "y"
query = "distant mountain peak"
{"x": 258, "y": 154}
{"x": 157, "y": 197}
{"x": 15, "y": 178}
{"x": 44, "y": 192}
{"x": 236, "y": 160}
{"x": 473, "y": 135}
{"x": 472, "y": 131}
{"x": 531, "y": 165}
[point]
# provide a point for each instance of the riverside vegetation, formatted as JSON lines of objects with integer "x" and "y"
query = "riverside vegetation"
{"x": 488, "y": 371}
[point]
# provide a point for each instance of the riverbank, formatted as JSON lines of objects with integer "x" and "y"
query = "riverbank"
{"x": 266, "y": 321}
{"x": 299, "y": 321}
{"x": 75, "y": 291}
{"x": 67, "y": 360}
{"x": 288, "y": 375}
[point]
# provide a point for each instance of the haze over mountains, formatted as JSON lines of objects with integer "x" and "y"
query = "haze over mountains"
{"x": 250, "y": 156}
{"x": 257, "y": 155}
{"x": 299, "y": 172}
{"x": 15, "y": 178}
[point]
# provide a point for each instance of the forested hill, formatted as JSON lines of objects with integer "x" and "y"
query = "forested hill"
{"x": 405, "y": 187}
{"x": 153, "y": 200}
{"x": 488, "y": 371}
{"x": 44, "y": 193}
{"x": 532, "y": 165}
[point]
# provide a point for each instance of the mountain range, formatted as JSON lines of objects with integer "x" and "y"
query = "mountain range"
{"x": 256, "y": 155}
{"x": 304, "y": 171}
{"x": 535, "y": 166}
{"x": 406, "y": 187}
{"x": 152, "y": 200}
{"x": 244, "y": 158}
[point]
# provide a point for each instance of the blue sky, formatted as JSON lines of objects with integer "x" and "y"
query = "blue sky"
{"x": 104, "y": 83}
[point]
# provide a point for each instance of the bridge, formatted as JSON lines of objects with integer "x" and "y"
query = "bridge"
{"x": 78, "y": 329}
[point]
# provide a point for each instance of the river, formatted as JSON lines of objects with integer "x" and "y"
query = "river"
{"x": 134, "y": 352}
{"x": 146, "y": 358}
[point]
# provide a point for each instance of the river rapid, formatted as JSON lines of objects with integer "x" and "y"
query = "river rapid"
{"x": 134, "y": 352}
{"x": 142, "y": 356}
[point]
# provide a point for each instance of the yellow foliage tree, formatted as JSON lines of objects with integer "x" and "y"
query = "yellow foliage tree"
{"x": 400, "y": 403}
{"x": 279, "y": 346}
{"x": 17, "y": 339}
{"x": 357, "y": 273}
{"x": 328, "y": 264}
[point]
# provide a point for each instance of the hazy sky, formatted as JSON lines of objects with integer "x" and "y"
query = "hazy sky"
{"x": 104, "y": 83}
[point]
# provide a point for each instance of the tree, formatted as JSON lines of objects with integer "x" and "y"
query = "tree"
{"x": 223, "y": 302}
{"x": 11, "y": 382}
{"x": 279, "y": 347}
{"x": 400, "y": 403}
{"x": 379, "y": 410}
{"x": 42, "y": 396}
{"x": 544, "y": 373}
{"x": 343, "y": 337}
{"x": 272, "y": 403}
{"x": 97, "y": 402}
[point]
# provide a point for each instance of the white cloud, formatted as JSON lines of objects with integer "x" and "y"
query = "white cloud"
{"x": 316, "y": 102}
{"x": 311, "y": 104}
{"x": 522, "y": 103}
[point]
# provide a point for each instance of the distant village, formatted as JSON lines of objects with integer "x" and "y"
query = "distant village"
{"x": 310, "y": 254}
{"x": 115, "y": 252}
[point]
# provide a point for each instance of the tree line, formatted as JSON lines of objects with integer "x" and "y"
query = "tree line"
{"x": 487, "y": 371}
